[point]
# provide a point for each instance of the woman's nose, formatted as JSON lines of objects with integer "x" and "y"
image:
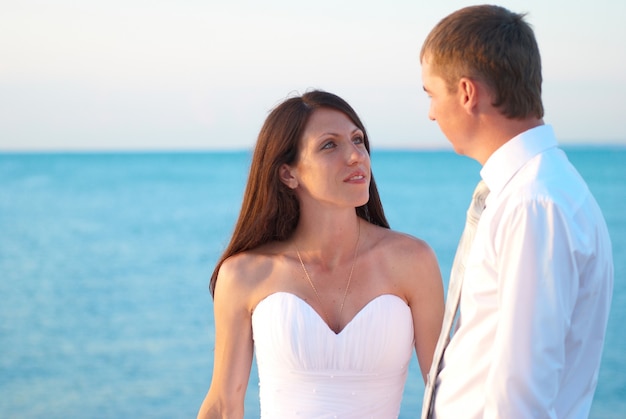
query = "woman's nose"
{"x": 357, "y": 153}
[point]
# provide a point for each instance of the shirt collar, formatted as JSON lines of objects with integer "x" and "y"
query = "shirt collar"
{"x": 515, "y": 153}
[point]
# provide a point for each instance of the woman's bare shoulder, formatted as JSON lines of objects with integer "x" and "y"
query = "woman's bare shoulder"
{"x": 409, "y": 260}
{"x": 401, "y": 245}
{"x": 249, "y": 267}
{"x": 249, "y": 273}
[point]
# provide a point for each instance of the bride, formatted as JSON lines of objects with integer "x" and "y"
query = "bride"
{"x": 314, "y": 282}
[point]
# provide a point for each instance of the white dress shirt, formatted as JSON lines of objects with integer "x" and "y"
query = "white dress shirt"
{"x": 536, "y": 292}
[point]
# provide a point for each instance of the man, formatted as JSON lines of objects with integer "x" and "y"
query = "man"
{"x": 538, "y": 277}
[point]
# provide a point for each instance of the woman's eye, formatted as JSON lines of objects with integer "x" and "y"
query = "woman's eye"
{"x": 358, "y": 140}
{"x": 328, "y": 145}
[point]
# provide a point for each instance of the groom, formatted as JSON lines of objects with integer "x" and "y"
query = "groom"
{"x": 538, "y": 276}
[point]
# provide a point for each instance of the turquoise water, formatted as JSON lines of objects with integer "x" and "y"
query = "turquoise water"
{"x": 105, "y": 261}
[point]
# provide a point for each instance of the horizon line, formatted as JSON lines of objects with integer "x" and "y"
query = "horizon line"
{"x": 183, "y": 150}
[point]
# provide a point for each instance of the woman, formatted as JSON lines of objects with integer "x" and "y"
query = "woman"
{"x": 331, "y": 300}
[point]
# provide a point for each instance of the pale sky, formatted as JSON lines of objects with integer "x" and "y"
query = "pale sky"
{"x": 203, "y": 74}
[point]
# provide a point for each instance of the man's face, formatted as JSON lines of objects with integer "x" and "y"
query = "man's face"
{"x": 445, "y": 107}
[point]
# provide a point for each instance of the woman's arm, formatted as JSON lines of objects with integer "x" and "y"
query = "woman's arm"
{"x": 233, "y": 346}
{"x": 425, "y": 296}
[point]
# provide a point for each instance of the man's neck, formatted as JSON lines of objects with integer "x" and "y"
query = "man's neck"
{"x": 500, "y": 132}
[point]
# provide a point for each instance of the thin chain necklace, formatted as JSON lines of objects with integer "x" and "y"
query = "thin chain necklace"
{"x": 345, "y": 293}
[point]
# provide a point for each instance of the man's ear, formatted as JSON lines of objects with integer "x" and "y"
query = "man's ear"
{"x": 468, "y": 94}
{"x": 285, "y": 173}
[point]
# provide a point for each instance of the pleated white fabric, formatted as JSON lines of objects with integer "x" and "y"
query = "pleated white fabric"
{"x": 308, "y": 371}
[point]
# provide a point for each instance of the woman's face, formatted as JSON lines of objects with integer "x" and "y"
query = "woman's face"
{"x": 333, "y": 165}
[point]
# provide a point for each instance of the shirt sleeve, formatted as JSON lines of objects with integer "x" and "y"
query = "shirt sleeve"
{"x": 536, "y": 294}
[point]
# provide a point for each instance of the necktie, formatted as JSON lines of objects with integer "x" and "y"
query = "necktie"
{"x": 454, "y": 291}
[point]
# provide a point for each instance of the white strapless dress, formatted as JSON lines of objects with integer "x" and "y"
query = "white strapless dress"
{"x": 306, "y": 370}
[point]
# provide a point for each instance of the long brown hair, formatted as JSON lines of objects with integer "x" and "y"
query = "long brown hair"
{"x": 270, "y": 210}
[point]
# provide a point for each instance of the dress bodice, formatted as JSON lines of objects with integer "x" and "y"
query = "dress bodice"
{"x": 307, "y": 370}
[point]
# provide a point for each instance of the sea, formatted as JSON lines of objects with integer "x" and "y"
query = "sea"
{"x": 105, "y": 260}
